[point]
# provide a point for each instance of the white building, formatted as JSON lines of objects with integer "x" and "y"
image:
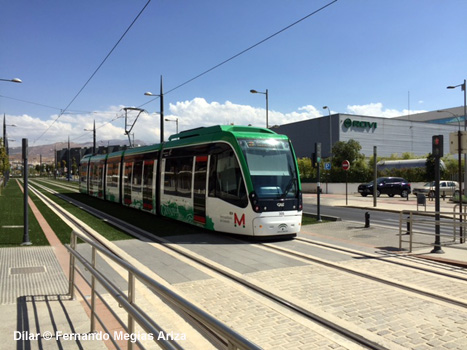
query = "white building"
{"x": 411, "y": 133}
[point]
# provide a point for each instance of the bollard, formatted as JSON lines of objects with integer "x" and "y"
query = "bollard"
{"x": 367, "y": 219}
{"x": 408, "y": 226}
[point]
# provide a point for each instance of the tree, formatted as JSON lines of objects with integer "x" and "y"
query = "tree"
{"x": 4, "y": 161}
{"x": 430, "y": 168}
{"x": 349, "y": 150}
{"x": 74, "y": 167}
{"x": 359, "y": 169}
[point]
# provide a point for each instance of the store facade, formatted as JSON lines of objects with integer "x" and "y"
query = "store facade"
{"x": 389, "y": 135}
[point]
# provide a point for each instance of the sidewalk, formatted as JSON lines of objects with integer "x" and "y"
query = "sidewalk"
{"x": 384, "y": 236}
{"x": 37, "y": 312}
{"x": 383, "y": 203}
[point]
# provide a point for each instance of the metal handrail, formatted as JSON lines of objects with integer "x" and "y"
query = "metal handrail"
{"x": 135, "y": 314}
{"x": 409, "y": 217}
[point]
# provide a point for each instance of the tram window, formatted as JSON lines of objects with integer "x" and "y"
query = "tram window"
{"x": 148, "y": 173}
{"x": 95, "y": 174}
{"x": 127, "y": 174}
{"x": 137, "y": 175}
{"x": 225, "y": 179}
{"x": 178, "y": 176}
{"x": 112, "y": 174}
{"x": 83, "y": 170}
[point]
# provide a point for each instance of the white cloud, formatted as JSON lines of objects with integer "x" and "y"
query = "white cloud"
{"x": 377, "y": 110}
{"x": 198, "y": 112}
{"x": 110, "y": 123}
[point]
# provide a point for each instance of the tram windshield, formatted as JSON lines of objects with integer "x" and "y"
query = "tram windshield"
{"x": 271, "y": 166}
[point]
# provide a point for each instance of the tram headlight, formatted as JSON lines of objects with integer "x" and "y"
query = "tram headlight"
{"x": 254, "y": 202}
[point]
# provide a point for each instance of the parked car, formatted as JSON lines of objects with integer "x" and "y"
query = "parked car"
{"x": 446, "y": 188}
{"x": 386, "y": 185}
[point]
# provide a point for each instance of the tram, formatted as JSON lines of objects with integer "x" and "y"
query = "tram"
{"x": 234, "y": 179}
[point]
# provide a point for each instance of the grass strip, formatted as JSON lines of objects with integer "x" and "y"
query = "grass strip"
{"x": 12, "y": 219}
{"x": 104, "y": 228}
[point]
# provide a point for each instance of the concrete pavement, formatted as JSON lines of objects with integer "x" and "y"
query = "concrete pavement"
{"x": 378, "y": 236}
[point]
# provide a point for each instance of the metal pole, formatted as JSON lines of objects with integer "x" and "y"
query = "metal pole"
{"x": 437, "y": 246}
{"x": 318, "y": 188}
{"x": 71, "y": 275}
{"x": 94, "y": 139}
{"x": 375, "y": 176}
{"x": 68, "y": 160}
{"x": 93, "y": 292}
{"x": 267, "y": 109}
{"x": 346, "y": 183}
{"x": 459, "y": 141}
{"x": 464, "y": 87}
{"x": 162, "y": 112}
{"x": 131, "y": 300}
{"x": 26, "y": 240}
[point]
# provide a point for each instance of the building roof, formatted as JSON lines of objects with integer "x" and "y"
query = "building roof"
{"x": 447, "y": 116}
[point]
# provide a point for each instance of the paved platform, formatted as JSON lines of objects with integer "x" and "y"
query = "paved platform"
{"x": 36, "y": 311}
{"x": 384, "y": 236}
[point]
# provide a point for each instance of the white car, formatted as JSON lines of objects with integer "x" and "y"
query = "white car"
{"x": 446, "y": 188}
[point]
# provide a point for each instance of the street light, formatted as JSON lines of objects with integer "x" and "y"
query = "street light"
{"x": 463, "y": 87}
{"x": 330, "y": 130}
{"x": 161, "y": 95}
{"x": 267, "y": 102}
{"x": 14, "y": 80}
{"x": 172, "y": 120}
{"x": 93, "y": 137}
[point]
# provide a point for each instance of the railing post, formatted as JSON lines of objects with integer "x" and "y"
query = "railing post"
{"x": 400, "y": 230}
{"x": 71, "y": 276}
{"x": 411, "y": 232}
{"x": 131, "y": 300}
{"x": 93, "y": 292}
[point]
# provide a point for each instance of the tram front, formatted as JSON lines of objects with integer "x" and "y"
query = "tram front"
{"x": 276, "y": 194}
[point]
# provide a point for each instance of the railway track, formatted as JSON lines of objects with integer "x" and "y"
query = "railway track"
{"x": 283, "y": 299}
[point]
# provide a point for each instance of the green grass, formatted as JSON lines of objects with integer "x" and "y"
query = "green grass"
{"x": 308, "y": 220}
{"x": 12, "y": 214}
{"x": 63, "y": 231}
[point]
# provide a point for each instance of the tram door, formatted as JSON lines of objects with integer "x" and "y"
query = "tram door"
{"x": 199, "y": 189}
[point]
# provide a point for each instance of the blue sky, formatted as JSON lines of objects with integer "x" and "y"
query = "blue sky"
{"x": 355, "y": 56}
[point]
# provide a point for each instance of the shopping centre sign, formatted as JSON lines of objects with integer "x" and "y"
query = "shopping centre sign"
{"x": 359, "y": 124}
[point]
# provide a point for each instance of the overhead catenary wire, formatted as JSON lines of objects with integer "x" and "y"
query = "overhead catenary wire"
{"x": 95, "y": 72}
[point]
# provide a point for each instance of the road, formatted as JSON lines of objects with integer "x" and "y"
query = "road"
{"x": 356, "y": 214}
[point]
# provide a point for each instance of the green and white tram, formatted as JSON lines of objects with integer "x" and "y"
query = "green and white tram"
{"x": 235, "y": 179}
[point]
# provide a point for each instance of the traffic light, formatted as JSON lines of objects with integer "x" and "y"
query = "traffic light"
{"x": 318, "y": 152}
{"x": 437, "y": 145}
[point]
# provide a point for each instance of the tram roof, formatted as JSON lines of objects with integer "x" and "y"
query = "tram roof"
{"x": 185, "y": 136}
{"x": 234, "y": 129}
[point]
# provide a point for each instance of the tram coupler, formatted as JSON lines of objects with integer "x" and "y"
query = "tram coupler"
{"x": 367, "y": 219}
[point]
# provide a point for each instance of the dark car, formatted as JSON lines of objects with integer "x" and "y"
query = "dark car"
{"x": 386, "y": 185}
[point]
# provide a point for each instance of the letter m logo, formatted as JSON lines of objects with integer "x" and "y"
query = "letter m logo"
{"x": 240, "y": 222}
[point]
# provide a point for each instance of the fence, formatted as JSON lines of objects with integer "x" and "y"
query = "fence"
{"x": 128, "y": 302}
{"x": 448, "y": 228}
